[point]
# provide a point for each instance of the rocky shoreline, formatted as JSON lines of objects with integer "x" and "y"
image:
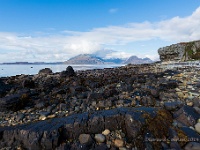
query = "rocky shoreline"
{"x": 133, "y": 107}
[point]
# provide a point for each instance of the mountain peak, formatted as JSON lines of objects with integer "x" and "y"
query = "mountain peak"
{"x": 93, "y": 59}
{"x": 136, "y": 60}
{"x": 85, "y": 59}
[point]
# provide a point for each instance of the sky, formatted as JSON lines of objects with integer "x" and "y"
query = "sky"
{"x": 56, "y": 30}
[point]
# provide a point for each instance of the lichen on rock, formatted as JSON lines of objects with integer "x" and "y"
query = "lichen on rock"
{"x": 185, "y": 51}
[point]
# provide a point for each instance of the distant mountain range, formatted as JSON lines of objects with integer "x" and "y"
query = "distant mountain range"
{"x": 98, "y": 57}
{"x": 136, "y": 60}
{"x": 93, "y": 59}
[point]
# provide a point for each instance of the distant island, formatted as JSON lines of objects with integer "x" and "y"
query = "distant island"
{"x": 93, "y": 59}
{"x": 89, "y": 59}
{"x": 29, "y": 63}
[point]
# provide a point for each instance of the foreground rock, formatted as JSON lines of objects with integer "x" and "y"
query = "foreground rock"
{"x": 135, "y": 106}
{"x": 51, "y": 133}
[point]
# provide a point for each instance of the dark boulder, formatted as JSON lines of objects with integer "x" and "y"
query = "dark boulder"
{"x": 4, "y": 88}
{"x": 173, "y": 105}
{"x": 68, "y": 73}
{"x": 166, "y": 85}
{"x": 186, "y": 115}
{"x": 14, "y": 102}
{"x": 28, "y": 83}
{"x": 45, "y": 71}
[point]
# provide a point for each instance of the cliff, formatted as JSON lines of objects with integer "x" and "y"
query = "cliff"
{"x": 184, "y": 51}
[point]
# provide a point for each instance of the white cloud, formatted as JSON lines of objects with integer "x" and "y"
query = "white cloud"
{"x": 62, "y": 46}
{"x": 118, "y": 55}
{"x": 113, "y": 10}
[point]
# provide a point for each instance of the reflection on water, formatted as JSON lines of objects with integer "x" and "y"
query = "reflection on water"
{"x": 12, "y": 70}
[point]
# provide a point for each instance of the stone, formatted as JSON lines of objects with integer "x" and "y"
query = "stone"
{"x": 45, "y": 71}
{"x": 14, "y": 102}
{"x": 172, "y": 105}
{"x": 175, "y": 145}
{"x": 70, "y": 71}
{"x": 190, "y": 103}
{"x": 62, "y": 107}
{"x": 40, "y": 105}
{"x": 4, "y": 88}
{"x": 100, "y": 138}
{"x": 197, "y": 127}
{"x": 101, "y": 146}
{"x": 28, "y": 83}
{"x": 180, "y": 94}
{"x": 118, "y": 142}
{"x": 42, "y": 117}
{"x": 154, "y": 93}
{"x": 106, "y": 132}
{"x": 196, "y": 102}
{"x": 51, "y": 116}
{"x": 186, "y": 115}
{"x": 192, "y": 146}
{"x": 20, "y": 117}
{"x": 85, "y": 139}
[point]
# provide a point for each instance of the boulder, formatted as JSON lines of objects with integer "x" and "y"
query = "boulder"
{"x": 45, "y": 71}
{"x": 186, "y": 115}
{"x": 28, "y": 83}
{"x": 14, "y": 102}
{"x": 68, "y": 73}
{"x": 4, "y": 88}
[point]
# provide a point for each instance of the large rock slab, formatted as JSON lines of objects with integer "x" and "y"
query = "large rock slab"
{"x": 49, "y": 134}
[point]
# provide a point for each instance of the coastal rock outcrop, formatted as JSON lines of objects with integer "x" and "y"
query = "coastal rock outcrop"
{"x": 49, "y": 134}
{"x": 184, "y": 51}
{"x": 129, "y": 107}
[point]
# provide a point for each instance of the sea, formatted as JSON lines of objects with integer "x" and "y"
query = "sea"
{"x": 31, "y": 69}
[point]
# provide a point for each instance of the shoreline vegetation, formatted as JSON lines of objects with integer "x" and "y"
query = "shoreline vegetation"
{"x": 147, "y": 106}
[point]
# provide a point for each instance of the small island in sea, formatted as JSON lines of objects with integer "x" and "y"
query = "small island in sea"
{"x": 136, "y": 106}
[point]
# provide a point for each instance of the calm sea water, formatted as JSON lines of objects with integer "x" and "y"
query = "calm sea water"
{"x": 12, "y": 70}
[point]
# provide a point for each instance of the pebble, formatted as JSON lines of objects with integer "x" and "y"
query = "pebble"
{"x": 42, "y": 117}
{"x": 100, "y": 138}
{"x": 85, "y": 138}
{"x": 20, "y": 117}
{"x": 51, "y": 116}
{"x": 118, "y": 142}
{"x": 190, "y": 103}
{"x": 106, "y": 132}
{"x": 197, "y": 127}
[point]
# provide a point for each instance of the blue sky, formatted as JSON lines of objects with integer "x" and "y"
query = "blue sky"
{"x": 55, "y": 30}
